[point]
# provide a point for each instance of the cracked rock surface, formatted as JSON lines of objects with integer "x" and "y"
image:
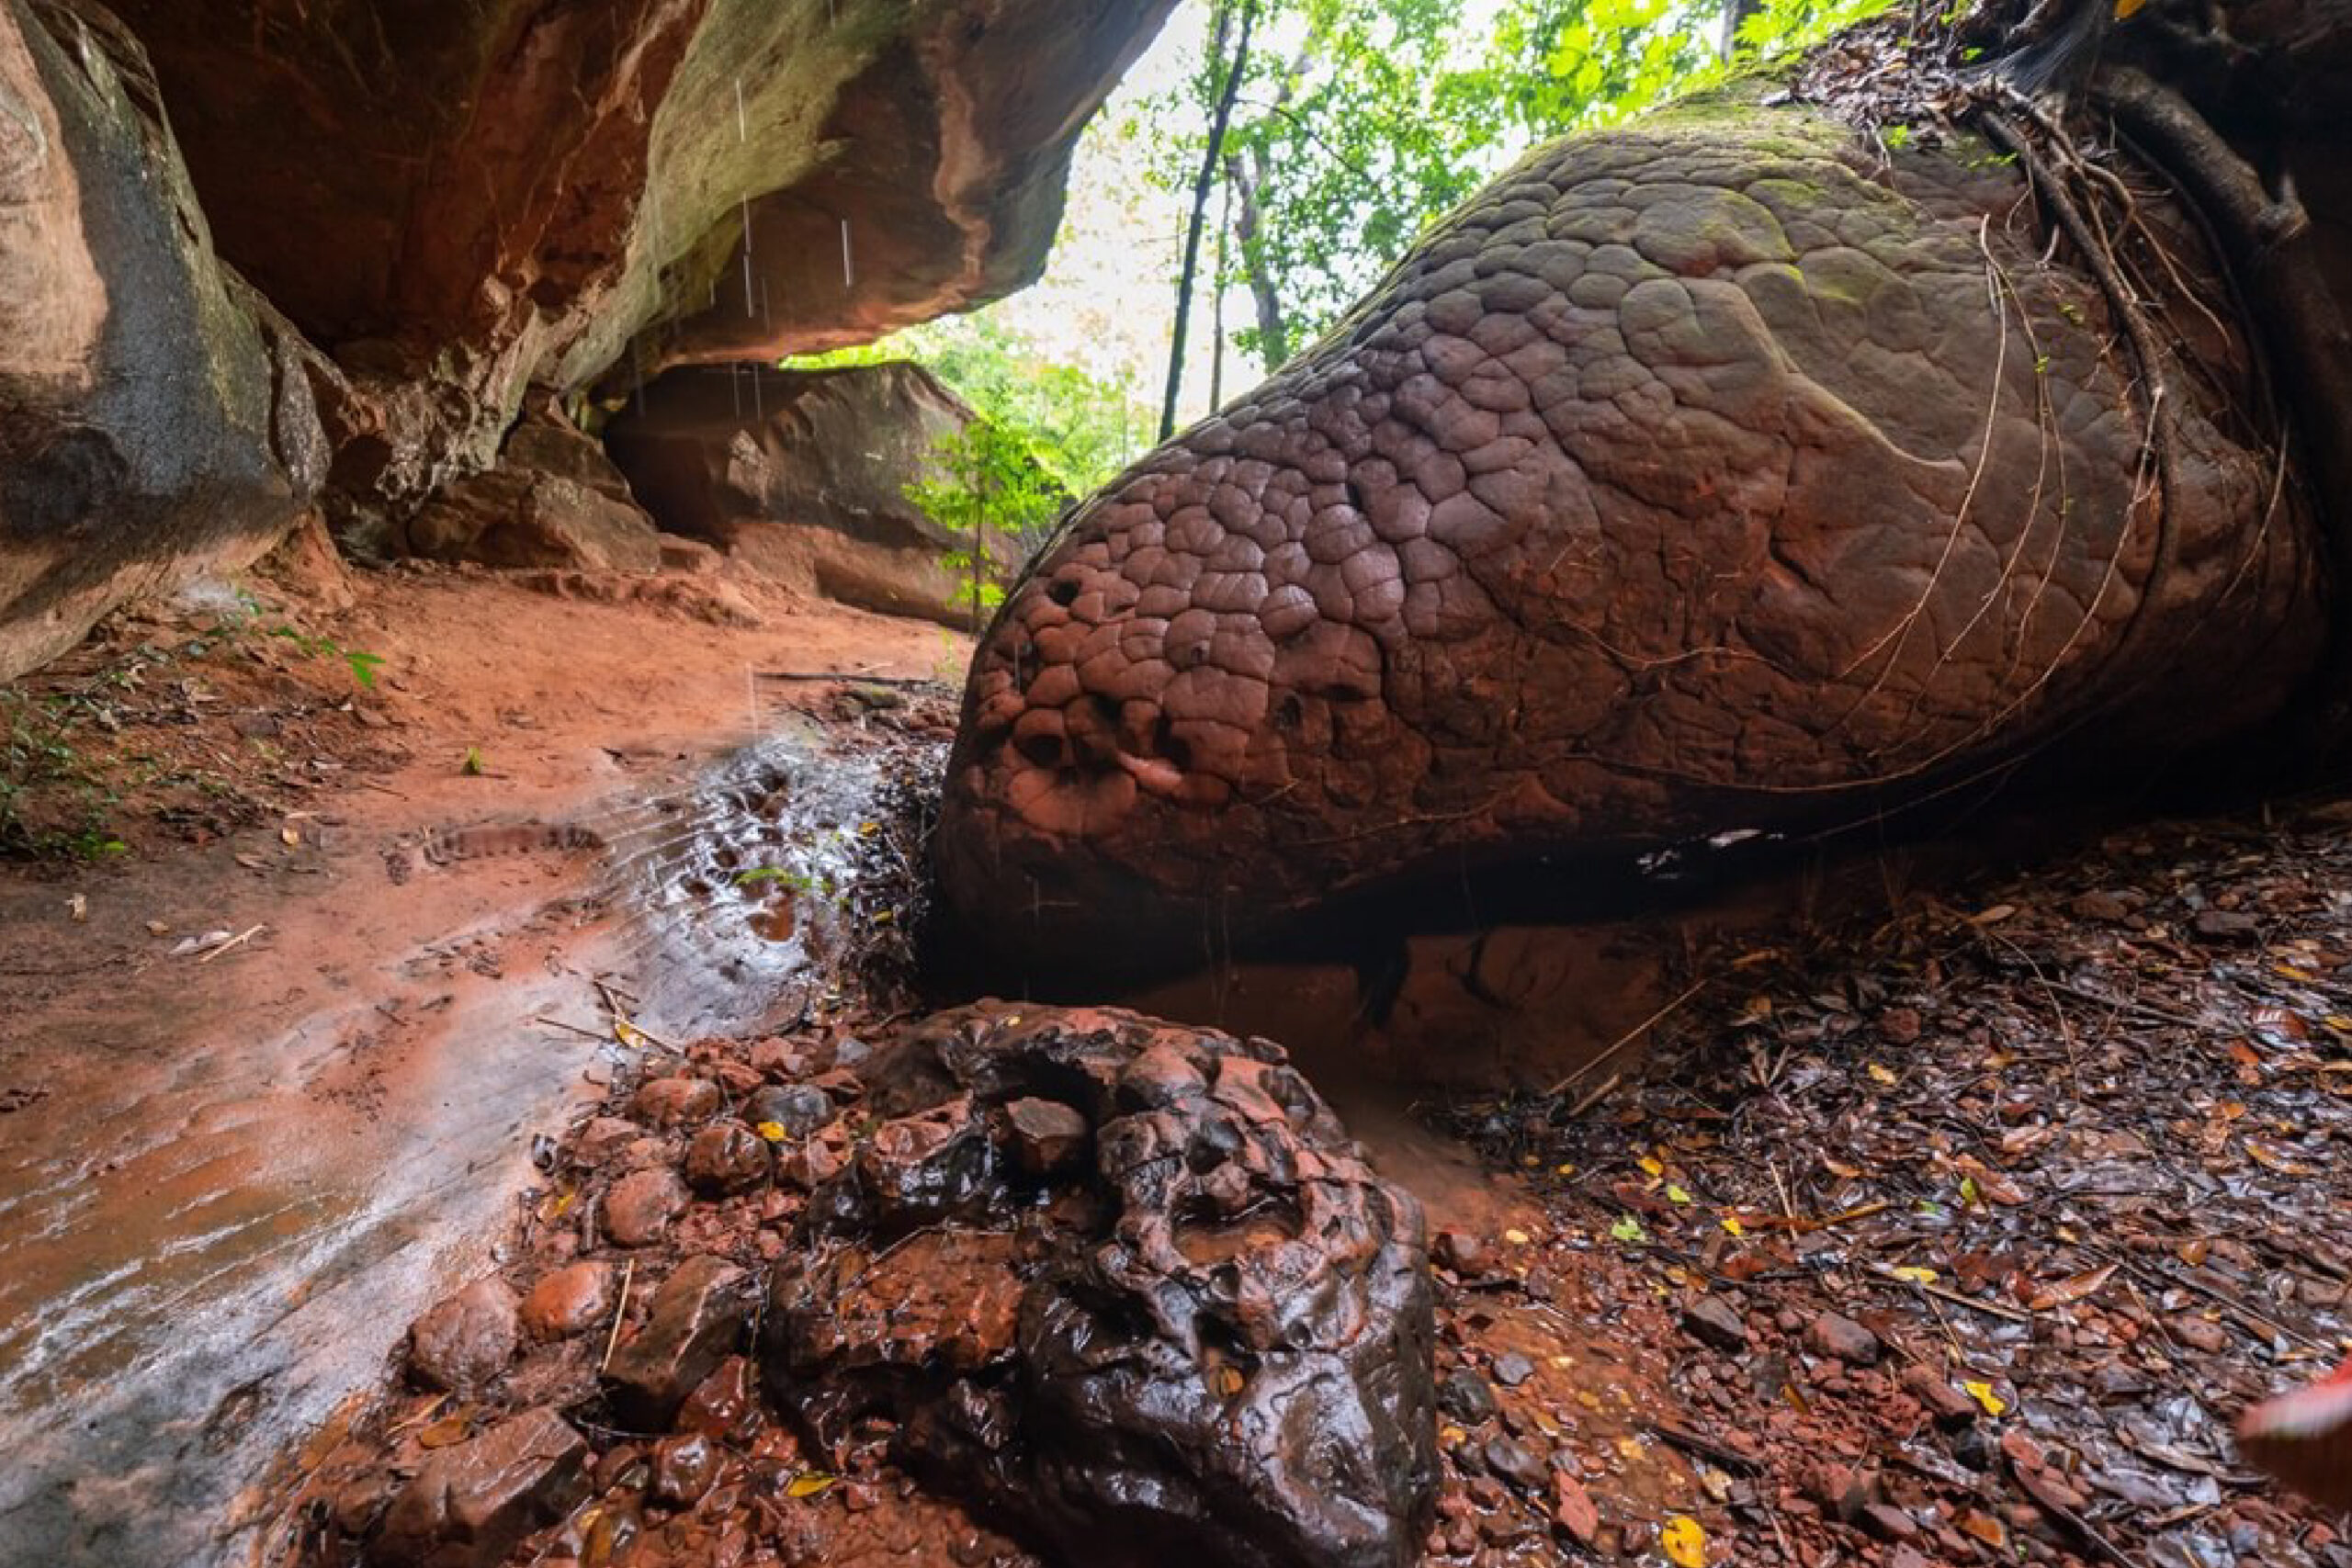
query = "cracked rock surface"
{"x": 1727, "y": 471}
{"x": 1207, "y": 1337}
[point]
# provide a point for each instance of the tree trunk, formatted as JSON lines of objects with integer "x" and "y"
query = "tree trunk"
{"x": 1216, "y": 298}
{"x": 1735, "y": 13}
{"x": 1210, "y": 158}
{"x": 1248, "y": 174}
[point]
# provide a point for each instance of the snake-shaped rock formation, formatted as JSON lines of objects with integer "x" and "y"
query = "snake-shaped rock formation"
{"x": 1730, "y": 470}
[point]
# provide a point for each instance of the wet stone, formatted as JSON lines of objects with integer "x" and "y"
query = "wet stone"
{"x": 1715, "y": 1323}
{"x": 1516, "y": 1463}
{"x": 674, "y": 1102}
{"x": 684, "y": 1469}
{"x": 640, "y": 1206}
{"x": 799, "y": 1109}
{"x": 696, "y": 1320}
{"x": 1458, "y": 1250}
{"x": 1211, "y": 1341}
{"x": 466, "y": 1340}
{"x": 1511, "y": 1369}
{"x": 726, "y": 1158}
{"x": 1839, "y": 1338}
{"x": 569, "y": 1300}
{"x": 1046, "y": 1135}
{"x": 1466, "y": 1397}
{"x": 468, "y": 1505}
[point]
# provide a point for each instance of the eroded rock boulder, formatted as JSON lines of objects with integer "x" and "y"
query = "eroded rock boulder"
{"x": 552, "y": 499}
{"x": 1728, "y": 470}
{"x": 802, "y": 476}
{"x": 154, "y": 419}
{"x": 458, "y": 202}
{"x": 467, "y": 1505}
{"x": 1180, "y": 1321}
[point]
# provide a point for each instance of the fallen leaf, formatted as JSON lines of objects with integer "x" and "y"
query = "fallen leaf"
{"x": 772, "y": 1131}
{"x": 1981, "y": 1393}
{"x": 1883, "y": 1074}
{"x": 2073, "y": 1288}
{"x": 1651, "y": 1166}
{"x": 1732, "y": 1226}
{"x": 1675, "y": 1194}
{"x": 1628, "y": 1230}
{"x": 808, "y": 1483}
{"x": 1912, "y": 1274}
{"x": 1685, "y": 1541}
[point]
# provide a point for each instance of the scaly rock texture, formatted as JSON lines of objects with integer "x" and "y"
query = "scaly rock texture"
{"x": 802, "y": 476}
{"x": 1728, "y": 470}
{"x": 154, "y": 418}
{"x": 1127, "y": 1285}
{"x": 456, "y": 202}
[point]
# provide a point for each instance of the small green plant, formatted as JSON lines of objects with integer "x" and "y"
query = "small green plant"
{"x": 362, "y": 665}
{"x": 799, "y": 881}
{"x": 42, "y": 766}
{"x": 473, "y": 767}
{"x": 989, "y": 484}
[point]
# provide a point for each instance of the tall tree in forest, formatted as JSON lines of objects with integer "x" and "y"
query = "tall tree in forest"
{"x": 1220, "y": 117}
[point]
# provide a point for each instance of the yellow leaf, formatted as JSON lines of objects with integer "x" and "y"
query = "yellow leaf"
{"x": 1675, "y": 1194}
{"x": 1516, "y": 1237}
{"x": 626, "y": 1032}
{"x": 772, "y": 1131}
{"x": 1734, "y": 1227}
{"x": 1229, "y": 1381}
{"x": 808, "y": 1483}
{"x": 1915, "y": 1275}
{"x": 1968, "y": 1193}
{"x": 1651, "y": 1167}
{"x": 1981, "y": 1393}
{"x": 1882, "y": 1075}
{"x": 1564, "y": 1169}
{"x": 2126, "y": 9}
{"x": 1685, "y": 1541}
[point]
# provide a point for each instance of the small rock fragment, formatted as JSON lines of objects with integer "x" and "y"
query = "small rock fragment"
{"x": 2225, "y": 925}
{"x": 470, "y": 1504}
{"x": 640, "y": 1206}
{"x": 1511, "y": 1369}
{"x": 1839, "y": 1338}
{"x": 1715, "y": 1323}
{"x": 1466, "y": 1397}
{"x": 1458, "y": 1250}
{"x": 799, "y": 1109}
{"x": 694, "y": 1324}
{"x": 1046, "y": 1135}
{"x": 569, "y": 1300}
{"x": 674, "y": 1102}
{"x": 1515, "y": 1463}
{"x": 466, "y": 1340}
{"x": 2099, "y": 905}
{"x": 727, "y": 1156}
{"x": 1573, "y": 1509}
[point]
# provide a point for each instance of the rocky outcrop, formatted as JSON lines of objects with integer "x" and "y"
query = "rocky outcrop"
{"x": 154, "y": 419}
{"x": 1729, "y": 470}
{"x": 458, "y": 202}
{"x": 803, "y": 476}
{"x": 1127, "y": 1285}
{"x": 552, "y": 499}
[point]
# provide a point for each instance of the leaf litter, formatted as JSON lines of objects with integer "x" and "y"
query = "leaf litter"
{"x": 2001, "y": 1213}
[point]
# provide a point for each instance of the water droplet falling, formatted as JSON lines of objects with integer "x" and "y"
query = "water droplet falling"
{"x": 849, "y": 273}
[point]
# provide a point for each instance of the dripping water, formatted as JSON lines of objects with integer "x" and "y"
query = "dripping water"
{"x": 849, "y": 275}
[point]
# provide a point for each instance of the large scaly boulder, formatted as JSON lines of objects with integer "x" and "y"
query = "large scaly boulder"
{"x": 1730, "y": 470}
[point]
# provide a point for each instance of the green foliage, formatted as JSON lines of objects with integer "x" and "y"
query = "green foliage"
{"x": 39, "y": 761}
{"x": 989, "y": 487}
{"x": 1367, "y": 120}
{"x": 474, "y": 765}
{"x": 1079, "y": 430}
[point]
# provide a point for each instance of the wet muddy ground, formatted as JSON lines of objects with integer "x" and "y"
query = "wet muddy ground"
{"x": 1954, "y": 1237}
{"x": 1953, "y": 1229}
